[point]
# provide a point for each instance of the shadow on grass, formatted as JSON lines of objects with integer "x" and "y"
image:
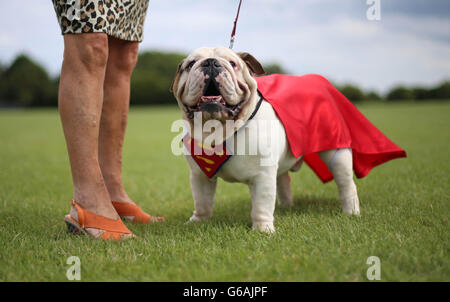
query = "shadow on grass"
{"x": 312, "y": 205}
{"x": 236, "y": 213}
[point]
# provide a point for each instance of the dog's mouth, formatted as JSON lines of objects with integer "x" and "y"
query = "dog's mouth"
{"x": 213, "y": 102}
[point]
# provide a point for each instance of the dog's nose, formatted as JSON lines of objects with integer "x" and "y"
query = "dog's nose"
{"x": 211, "y": 62}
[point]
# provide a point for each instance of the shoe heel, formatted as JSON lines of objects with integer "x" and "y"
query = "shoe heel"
{"x": 72, "y": 229}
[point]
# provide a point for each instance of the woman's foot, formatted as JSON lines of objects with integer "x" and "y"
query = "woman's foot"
{"x": 132, "y": 212}
{"x": 125, "y": 206}
{"x": 82, "y": 221}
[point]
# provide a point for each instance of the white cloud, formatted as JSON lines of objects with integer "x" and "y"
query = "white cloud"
{"x": 7, "y": 40}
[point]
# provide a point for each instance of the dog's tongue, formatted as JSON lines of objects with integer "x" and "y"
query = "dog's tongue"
{"x": 215, "y": 98}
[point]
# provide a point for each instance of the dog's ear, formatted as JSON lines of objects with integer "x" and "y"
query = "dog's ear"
{"x": 253, "y": 64}
{"x": 177, "y": 77}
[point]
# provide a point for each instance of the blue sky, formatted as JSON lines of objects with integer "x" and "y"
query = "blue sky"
{"x": 409, "y": 45}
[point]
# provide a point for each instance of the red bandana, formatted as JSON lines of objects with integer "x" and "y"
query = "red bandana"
{"x": 210, "y": 159}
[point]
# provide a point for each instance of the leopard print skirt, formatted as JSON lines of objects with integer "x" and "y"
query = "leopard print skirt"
{"x": 122, "y": 19}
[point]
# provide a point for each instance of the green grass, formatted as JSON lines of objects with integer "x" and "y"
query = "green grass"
{"x": 404, "y": 207}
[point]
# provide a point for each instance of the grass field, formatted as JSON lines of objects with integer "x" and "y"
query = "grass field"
{"x": 404, "y": 205}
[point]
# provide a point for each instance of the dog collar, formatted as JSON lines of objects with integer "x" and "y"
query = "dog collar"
{"x": 211, "y": 158}
{"x": 255, "y": 110}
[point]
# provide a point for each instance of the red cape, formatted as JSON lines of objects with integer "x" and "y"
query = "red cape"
{"x": 317, "y": 117}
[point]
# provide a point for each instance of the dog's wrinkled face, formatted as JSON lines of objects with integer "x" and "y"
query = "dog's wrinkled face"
{"x": 216, "y": 82}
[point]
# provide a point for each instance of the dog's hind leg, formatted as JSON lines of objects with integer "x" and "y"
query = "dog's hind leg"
{"x": 340, "y": 163}
{"x": 284, "y": 193}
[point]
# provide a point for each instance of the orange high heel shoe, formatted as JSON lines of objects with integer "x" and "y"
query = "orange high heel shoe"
{"x": 114, "y": 229}
{"x": 134, "y": 213}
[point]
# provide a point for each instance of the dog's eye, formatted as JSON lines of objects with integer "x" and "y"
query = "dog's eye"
{"x": 191, "y": 63}
{"x": 232, "y": 64}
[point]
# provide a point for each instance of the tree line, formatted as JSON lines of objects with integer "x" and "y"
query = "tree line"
{"x": 25, "y": 83}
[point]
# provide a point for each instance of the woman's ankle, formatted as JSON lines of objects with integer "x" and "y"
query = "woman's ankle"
{"x": 117, "y": 192}
{"x": 96, "y": 202}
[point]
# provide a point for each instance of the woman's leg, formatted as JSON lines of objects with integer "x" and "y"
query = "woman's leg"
{"x": 116, "y": 99}
{"x": 80, "y": 106}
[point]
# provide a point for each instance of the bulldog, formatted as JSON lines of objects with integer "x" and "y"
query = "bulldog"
{"x": 219, "y": 85}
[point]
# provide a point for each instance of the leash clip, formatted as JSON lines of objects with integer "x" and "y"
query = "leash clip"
{"x": 231, "y": 42}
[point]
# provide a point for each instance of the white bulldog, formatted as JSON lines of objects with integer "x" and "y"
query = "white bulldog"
{"x": 218, "y": 84}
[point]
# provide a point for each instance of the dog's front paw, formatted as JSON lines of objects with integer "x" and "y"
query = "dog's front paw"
{"x": 354, "y": 212}
{"x": 266, "y": 227}
{"x": 350, "y": 206}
